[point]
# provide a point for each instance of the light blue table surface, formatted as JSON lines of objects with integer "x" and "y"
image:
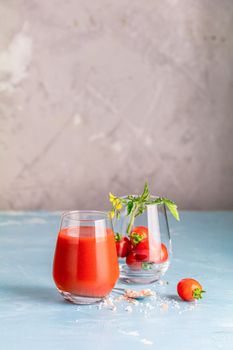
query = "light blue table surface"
{"x": 34, "y": 316}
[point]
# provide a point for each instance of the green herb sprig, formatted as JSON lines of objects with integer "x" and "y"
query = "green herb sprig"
{"x": 136, "y": 205}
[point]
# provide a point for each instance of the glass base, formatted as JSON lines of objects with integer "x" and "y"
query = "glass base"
{"x": 79, "y": 299}
{"x": 156, "y": 271}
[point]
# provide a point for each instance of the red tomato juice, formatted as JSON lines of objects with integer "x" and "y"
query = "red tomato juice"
{"x": 85, "y": 261}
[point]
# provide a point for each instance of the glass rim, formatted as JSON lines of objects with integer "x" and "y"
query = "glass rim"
{"x": 68, "y": 213}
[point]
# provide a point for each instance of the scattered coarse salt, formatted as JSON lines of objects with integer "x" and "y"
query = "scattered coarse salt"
{"x": 149, "y": 306}
{"x": 146, "y": 341}
{"x": 176, "y": 305}
{"x": 128, "y": 309}
{"x": 163, "y": 283}
{"x": 164, "y": 307}
{"x": 114, "y": 308}
{"x": 190, "y": 307}
{"x": 108, "y": 304}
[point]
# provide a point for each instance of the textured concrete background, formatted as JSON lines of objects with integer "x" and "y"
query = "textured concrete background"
{"x": 100, "y": 95}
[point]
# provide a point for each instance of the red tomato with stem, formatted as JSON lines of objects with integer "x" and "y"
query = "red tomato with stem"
{"x": 138, "y": 234}
{"x": 123, "y": 245}
{"x": 189, "y": 289}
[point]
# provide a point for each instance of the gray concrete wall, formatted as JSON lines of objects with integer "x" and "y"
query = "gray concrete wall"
{"x": 100, "y": 95}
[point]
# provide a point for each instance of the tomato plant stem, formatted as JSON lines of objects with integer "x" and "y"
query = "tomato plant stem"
{"x": 133, "y": 214}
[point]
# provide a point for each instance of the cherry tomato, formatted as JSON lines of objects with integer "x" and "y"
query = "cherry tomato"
{"x": 123, "y": 245}
{"x": 163, "y": 255}
{"x": 142, "y": 253}
{"x": 146, "y": 252}
{"x": 142, "y": 250}
{"x": 138, "y": 234}
{"x": 133, "y": 262}
{"x": 189, "y": 289}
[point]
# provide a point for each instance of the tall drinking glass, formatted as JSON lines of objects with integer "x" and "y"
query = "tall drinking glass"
{"x": 85, "y": 267}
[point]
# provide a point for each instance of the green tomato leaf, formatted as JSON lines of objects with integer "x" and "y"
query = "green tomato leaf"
{"x": 172, "y": 207}
{"x": 145, "y": 194}
{"x": 158, "y": 200}
{"x": 129, "y": 207}
{"x": 140, "y": 210}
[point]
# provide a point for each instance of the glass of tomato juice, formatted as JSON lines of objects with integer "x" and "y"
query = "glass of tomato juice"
{"x": 85, "y": 267}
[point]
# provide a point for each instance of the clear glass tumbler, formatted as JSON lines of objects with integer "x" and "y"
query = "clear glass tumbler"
{"x": 149, "y": 255}
{"x": 85, "y": 267}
